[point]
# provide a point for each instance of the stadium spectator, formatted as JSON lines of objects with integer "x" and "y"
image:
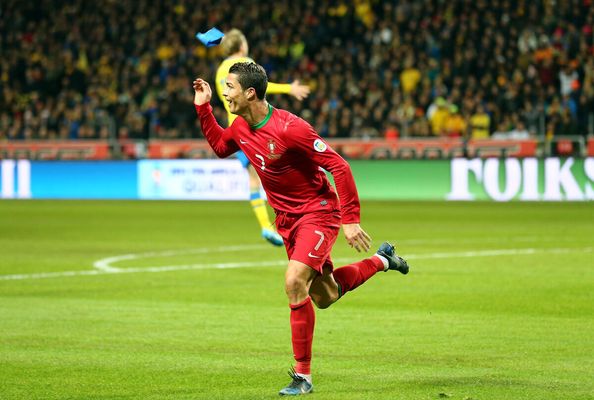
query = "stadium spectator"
{"x": 410, "y": 76}
{"x": 454, "y": 124}
{"x": 480, "y": 123}
{"x": 437, "y": 115}
{"x": 519, "y": 132}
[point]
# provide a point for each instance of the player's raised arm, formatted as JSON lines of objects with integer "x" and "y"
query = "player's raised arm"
{"x": 202, "y": 92}
{"x": 218, "y": 138}
{"x": 299, "y": 91}
{"x": 295, "y": 89}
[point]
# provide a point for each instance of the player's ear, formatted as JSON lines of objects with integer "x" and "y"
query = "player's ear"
{"x": 250, "y": 93}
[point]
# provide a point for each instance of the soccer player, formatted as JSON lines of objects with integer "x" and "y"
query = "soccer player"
{"x": 235, "y": 47}
{"x": 288, "y": 155}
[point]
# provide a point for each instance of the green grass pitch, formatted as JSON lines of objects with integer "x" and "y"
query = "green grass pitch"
{"x": 183, "y": 300}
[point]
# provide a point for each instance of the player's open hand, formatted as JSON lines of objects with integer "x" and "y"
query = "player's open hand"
{"x": 299, "y": 91}
{"x": 356, "y": 237}
{"x": 202, "y": 92}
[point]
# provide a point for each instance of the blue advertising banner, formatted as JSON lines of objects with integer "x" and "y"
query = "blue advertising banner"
{"x": 69, "y": 179}
{"x": 192, "y": 180}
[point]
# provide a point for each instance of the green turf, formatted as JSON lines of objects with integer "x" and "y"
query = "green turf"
{"x": 499, "y": 304}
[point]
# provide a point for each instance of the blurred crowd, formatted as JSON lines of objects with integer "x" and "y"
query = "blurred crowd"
{"x": 462, "y": 68}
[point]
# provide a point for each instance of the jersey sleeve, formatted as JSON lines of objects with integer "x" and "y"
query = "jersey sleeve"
{"x": 218, "y": 138}
{"x": 304, "y": 139}
{"x": 278, "y": 88}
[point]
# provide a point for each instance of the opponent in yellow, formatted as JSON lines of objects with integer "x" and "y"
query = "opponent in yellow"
{"x": 235, "y": 47}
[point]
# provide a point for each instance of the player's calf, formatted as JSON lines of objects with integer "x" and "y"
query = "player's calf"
{"x": 324, "y": 291}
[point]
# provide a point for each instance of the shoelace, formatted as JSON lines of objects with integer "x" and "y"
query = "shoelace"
{"x": 297, "y": 379}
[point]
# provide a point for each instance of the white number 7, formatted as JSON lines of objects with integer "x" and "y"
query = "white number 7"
{"x": 259, "y": 157}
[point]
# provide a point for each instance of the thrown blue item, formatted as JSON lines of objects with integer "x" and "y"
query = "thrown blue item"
{"x": 210, "y": 38}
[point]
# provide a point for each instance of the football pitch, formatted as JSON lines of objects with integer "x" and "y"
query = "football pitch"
{"x": 184, "y": 300}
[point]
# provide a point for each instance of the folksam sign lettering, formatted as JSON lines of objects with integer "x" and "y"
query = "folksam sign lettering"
{"x": 528, "y": 179}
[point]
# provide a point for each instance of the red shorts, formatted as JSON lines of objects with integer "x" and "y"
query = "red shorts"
{"x": 309, "y": 237}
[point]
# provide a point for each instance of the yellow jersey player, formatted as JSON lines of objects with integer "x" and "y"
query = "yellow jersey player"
{"x": 235, "y": 47}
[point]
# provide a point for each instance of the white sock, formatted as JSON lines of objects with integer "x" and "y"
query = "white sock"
{"x": 307, "y": 377}
{"x": 384, "y": 261}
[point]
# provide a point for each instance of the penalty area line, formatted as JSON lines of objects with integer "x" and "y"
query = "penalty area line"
{"x": 105, "y": 264}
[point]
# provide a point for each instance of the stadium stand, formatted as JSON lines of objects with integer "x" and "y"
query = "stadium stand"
{"x": 462, "y": 69}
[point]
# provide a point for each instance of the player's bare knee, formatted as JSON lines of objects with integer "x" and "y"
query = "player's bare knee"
{"x": 295, "y": 285}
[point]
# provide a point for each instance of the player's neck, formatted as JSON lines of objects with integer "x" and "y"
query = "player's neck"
{"x": 239, "y": 54}
{"x": 256, "y": 113}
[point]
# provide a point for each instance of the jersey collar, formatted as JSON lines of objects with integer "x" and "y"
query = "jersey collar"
{"x": 265, "y": 120}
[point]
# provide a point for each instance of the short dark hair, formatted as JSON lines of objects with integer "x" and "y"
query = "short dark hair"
{"x": 251, "y": 75}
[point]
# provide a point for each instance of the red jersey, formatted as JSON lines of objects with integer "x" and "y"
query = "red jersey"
{"x": 288, "y": 155}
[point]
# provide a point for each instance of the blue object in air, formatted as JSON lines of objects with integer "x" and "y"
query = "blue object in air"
{"x": 210, "y": 38}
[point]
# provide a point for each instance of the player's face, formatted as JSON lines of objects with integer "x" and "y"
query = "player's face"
{"x": 234, "y": 94}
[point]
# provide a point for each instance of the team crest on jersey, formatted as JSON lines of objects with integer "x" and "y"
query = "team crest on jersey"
{"x": 320, "y": 146}
{"x": 272, "y": 149}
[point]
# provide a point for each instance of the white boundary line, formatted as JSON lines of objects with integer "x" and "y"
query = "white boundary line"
{"x": 107, "y": 269}
{"x": 105, "y": 263}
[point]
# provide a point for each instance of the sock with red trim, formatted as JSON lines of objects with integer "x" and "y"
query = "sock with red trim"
{"x": 352, "y": 276}
{"x": 303, "y": 319}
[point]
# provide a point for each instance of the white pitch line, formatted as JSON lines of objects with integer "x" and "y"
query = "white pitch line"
{"x": 274, "y": 263}
{"x": 482, "y": 240}
{"x": 105, "y": 263}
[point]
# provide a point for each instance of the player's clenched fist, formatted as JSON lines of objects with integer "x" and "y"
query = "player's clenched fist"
{"x": 202, "y": 90}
